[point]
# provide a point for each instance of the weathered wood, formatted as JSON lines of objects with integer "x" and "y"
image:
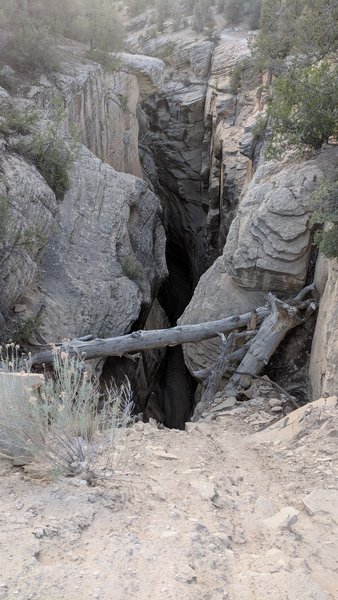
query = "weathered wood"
{"x": 282, "y": 318}
{"x": 144, "y": 340}
{"x": 216, "y": 375}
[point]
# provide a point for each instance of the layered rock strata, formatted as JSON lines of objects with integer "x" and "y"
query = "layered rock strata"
{"x": 267, "y": 249}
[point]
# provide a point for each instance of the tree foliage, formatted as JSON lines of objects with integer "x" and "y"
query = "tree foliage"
{"x": 325, "y": 199}
{"x": 303, "y": 110}
{"x": 298, "y": 48}
{"x": 36, "y": 24}
{"x": 305, "y": 29}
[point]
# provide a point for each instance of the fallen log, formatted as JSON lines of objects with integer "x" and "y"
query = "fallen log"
{"x": 282, "y": 318}
{"x": 145, "y": 340}
{"x": 88, "y": 347}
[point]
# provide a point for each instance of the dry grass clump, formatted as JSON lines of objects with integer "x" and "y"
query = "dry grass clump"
{"x": 65, "y": 422}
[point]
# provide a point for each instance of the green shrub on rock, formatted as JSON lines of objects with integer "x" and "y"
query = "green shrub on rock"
{"x": 303, "y": 110}
{"x": 325, "y": 199}
{"x": 32, "y": 47}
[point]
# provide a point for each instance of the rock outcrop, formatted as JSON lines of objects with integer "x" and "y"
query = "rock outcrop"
{"x": 324, "y": 353}
{"x": 216, "y": 296}
{"x": 269, "y": 242}
{"x": 101, "y": 259}
{"x": 191, "y": 142}
{"x": 101, "y": 105}
{"x": 267, "y": 249}
{"x": 105, "y": 257}
{"x": 231, "y": 109}
{"x": 30, "y": 206}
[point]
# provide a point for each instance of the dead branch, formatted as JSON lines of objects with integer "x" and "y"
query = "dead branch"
{"x": 216, "y": 375}
{"x": 282, "y": 318}
{"x": 145, "y": 340}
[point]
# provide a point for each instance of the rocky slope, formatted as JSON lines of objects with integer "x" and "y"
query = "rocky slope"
{"x": 241, "y": 516}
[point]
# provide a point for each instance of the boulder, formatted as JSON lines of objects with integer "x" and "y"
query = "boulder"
{"x": 299, "y": 422}
{"x": 269, "y": 241}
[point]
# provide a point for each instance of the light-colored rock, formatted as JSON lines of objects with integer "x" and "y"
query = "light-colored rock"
{"x": 31, "y": 207}
{"x": 322, "y": 501}
{"x": 216, "y": 296}
{"x": 148, "y": 70}
{"x": 286, "y": 517}
{"x": 275, "y": 402}
{"x": 206, "y": 489}
{"x": 227, "y": 403}
{"x": 324, "y": 353}
{"x": 19, "y": 308}
{"x": 276, "y": 409}
{"x": 268, "y": 246}
{"x": 105, "y": 257}
{"x": 296, "y": 422}
{"x": 100, "y": 105}
{"x": 264, "y": 507}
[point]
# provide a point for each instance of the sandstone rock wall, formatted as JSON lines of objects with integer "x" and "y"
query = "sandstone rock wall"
{"x": 31, "y": 205}
{"x": 324, "y": 353}
{"x": 267, "y": 249}
{"x": 101, "y": 104}
{"x": 192, "y": 142}
{"x": 101, "y": 258}
{"x": 105, "y": 257}
{"x": 231, "y": 109}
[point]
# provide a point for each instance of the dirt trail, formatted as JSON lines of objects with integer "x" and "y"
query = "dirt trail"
{"x": 205, "y": 514}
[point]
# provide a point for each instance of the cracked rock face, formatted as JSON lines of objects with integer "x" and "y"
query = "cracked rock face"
{"x": 101, "y": 258}
{"x": 176, "y": 117}
{"x": 324, "y": 353}
{"x": 31, "y": 206}
{"x": 105, "y": 258}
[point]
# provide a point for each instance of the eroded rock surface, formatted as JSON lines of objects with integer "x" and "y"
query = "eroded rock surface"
{"x": 267, "y": 249}
{"x": 105, "y": 258}
{"x": 324, "y": 353}
{"x": 269, "y": 242}
{"x": 100, "y": 255}
{"x": 30, "y": 206}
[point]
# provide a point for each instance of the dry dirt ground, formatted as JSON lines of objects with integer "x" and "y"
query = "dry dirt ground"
{"x": 212, "y": 513}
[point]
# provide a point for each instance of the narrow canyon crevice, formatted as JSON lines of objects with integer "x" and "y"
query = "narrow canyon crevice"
{"x": 172, "y": 132}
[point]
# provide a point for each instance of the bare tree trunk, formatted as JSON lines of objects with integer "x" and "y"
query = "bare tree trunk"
{"x": 144, "y": 340}
{"x": 215, "y": 376}
{"x": 273, "y": 330}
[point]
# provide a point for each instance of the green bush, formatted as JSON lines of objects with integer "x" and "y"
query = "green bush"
{"x": 303, "y": 109}
{"x": 325, "y": 199}
{"x": 18, "y": 121}
{"x": 132, "y": 268}
{"x": 32, "y": 47}
{"x": 53, "y": 157}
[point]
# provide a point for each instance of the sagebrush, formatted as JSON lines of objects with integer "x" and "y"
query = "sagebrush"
{"x": 68, "y": 424}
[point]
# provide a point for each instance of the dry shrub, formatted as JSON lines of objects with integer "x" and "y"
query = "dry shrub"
{"x": 65, "y": 424}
